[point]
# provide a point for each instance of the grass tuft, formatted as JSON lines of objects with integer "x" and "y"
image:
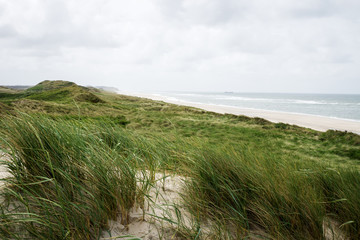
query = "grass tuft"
{"x": 67, "y": 181}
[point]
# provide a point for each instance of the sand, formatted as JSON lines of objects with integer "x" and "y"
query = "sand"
{"x": 164, "y": 195}
{"x": 309, "y": 121}
{"x": 3, "y": 171}
{"x": 3, "y": 174}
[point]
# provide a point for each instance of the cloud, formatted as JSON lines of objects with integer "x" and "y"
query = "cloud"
{"x": 7, "y": 31}
{"x": 48, "y": 28}
{"x": 184, "y": 44}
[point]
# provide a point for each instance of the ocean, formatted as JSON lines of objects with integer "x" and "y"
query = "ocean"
{"x": 343, "y": 106}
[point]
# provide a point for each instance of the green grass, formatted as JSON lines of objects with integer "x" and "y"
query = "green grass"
{"x": 285, "y": 199}
{"x": 53, "y": 91}
{"x": 75, "y": 153}
{"x": 67, "y": 180}
{"x": 51, "y": 85}
{"x": 8, "y": 90}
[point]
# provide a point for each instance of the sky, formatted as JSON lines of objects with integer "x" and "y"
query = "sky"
{"x": 308, "y": 46}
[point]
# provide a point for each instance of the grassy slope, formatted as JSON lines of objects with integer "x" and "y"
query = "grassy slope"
{"x": 152, "y": 117}
{"x": 171, "y": 127}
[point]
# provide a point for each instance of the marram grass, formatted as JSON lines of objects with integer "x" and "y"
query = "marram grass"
{"x": 67, "y": 181}
{"x": 69, "y": 177}
{"x": 239, "y": 193}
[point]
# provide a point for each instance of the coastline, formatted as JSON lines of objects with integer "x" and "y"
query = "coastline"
{"x": 318, "y": 123}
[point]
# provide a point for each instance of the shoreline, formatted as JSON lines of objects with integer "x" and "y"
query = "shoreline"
{"x": 318, "y": 123}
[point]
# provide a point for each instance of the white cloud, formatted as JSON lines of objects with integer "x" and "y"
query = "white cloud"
{"x": 210, "y": 45}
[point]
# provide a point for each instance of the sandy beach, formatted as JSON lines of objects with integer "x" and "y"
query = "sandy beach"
{"x": 309, "y": 121}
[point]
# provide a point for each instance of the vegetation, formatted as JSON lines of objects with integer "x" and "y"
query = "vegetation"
{"x": 75, "y": 155}
{"x": 68, "y": 180}
{"x": 287, "y": 200}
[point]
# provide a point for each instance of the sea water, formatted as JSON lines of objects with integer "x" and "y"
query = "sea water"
{"x": 344, "y": 106}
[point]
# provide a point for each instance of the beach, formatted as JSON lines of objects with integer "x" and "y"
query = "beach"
{"x": 319, "y": 123}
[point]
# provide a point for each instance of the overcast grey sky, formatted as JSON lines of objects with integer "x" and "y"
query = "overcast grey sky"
{"x": 192, "y": 45}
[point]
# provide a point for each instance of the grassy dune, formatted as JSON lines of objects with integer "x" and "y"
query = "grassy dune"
{"x": 285, "y": 199}
{"x": 67, "y": 180}
{"x": 75, "y": 155}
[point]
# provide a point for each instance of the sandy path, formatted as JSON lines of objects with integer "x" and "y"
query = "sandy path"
{"x": 310, "y": 121}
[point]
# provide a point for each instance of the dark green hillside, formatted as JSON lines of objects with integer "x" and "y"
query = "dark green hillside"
{"x": 56, "y": 91}
{"x": 51, "y": 85}
{"x": 50, "y": 97}
{"x": 4, "y": 89}
{"x": 61, "y": 91}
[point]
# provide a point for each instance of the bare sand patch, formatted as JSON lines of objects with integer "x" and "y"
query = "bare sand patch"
{"x": 3, "y": 171}
{"x": 149, "y": 222}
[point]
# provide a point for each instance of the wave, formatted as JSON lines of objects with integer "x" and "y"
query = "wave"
{"x": 242, "y": 98}
{"x": 278, "y": 100}
{"x": 189, "y": 94}
{"x": 308, "y": 102}
{"x": 296, "y": 101}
